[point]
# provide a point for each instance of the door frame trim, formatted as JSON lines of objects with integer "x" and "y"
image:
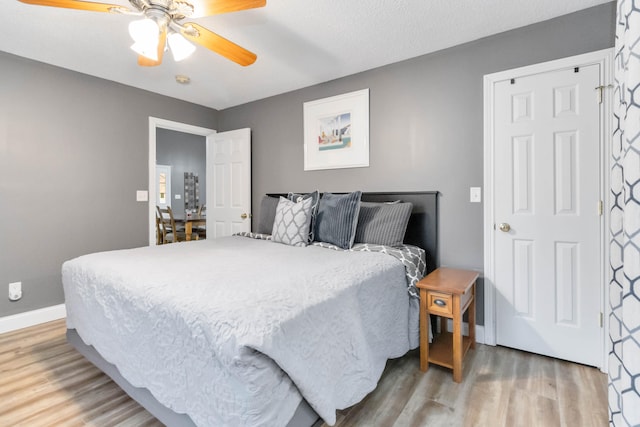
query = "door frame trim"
{"x": 603, "y": 58}
{"x": 157, "y": 123}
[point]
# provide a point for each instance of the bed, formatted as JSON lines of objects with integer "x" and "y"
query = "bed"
{"x": 244, "y": 331}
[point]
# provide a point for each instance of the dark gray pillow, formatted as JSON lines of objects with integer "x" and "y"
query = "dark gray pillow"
{"x": 315, "y": 202}
{"x": 268, "y": 207}
{"x": 337, "y": 219}
{"x": 383, "y": 223}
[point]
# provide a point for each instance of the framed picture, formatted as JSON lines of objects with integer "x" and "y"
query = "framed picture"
{"x": 336, "y": 132}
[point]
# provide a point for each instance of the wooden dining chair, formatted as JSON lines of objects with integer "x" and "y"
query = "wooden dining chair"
{"x": 170, "y": 233}
{"x": 202, "y": 229}
{"x": 159, "y": 239}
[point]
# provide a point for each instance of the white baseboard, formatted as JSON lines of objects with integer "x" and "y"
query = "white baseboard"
{"x": 32, "y": 318}
{"x": 480, "y": 334}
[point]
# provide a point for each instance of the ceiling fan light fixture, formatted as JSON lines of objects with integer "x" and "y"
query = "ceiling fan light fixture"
{"x": 181, "y": 48}
{"x": 145, "y": 31}
{"x": 162, "y": 17}
{"x": 148, "y": 50}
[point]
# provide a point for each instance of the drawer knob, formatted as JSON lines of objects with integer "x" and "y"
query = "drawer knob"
{"x": 440, "y": 302}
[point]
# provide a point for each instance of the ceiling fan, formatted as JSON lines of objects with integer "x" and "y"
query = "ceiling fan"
{"x": 161, "y": 25}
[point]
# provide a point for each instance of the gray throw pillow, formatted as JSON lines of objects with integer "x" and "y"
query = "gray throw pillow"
{"x": 337, "y": 219}
{"x": 383, "y": 223}
{"x": 268, "y": 207}
{"x": 291, "y": 225}
{"x": 315, "y": 197}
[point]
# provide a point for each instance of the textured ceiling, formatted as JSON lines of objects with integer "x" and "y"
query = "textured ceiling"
{"x": 298, "y": 42}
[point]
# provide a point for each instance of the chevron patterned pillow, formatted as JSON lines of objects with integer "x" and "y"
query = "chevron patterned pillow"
{"x": 291, "y": 225}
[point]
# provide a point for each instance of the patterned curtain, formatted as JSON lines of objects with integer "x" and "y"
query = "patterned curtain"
{"x": 624, "y": 290}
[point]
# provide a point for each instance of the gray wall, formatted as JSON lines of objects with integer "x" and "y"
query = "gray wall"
{"x": 73, "y": 148}
{"x": 426, "y": 130}
{"x": 73, "y": 152}
{"x": 184, "y": 152}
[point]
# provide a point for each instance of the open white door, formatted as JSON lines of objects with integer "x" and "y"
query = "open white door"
{"x": 229, "y": 183}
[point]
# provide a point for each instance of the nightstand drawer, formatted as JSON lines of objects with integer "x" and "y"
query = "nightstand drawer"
{"x": 439, "y": 303}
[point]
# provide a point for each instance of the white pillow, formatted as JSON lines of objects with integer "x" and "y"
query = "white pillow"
{"x": 292, "y": 221}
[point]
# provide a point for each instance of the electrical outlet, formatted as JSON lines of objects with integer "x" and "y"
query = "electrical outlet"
{"x": 15, "y": 291}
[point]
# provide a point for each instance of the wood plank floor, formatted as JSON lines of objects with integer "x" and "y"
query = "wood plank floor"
{"x": 45, "y": 382}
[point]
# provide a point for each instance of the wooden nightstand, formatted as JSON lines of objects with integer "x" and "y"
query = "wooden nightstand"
{"x": 448, "y": 293}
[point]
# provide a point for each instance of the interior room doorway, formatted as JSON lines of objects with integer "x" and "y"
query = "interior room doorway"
{"x": 154, "y": 125}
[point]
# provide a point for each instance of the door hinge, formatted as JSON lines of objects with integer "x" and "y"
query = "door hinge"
{"x": 601, "y": 320}
{"x": 600, "y": 207}
{"x": 600, "y": 90}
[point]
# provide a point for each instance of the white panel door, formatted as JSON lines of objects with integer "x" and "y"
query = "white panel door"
{"x": 229, "y": 185}
{"x": 547, "y": 194}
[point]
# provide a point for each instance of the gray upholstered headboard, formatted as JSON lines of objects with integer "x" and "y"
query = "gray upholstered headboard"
{"x": 422, "y": 230}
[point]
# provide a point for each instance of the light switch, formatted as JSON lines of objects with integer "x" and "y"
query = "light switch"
{"x": 178, "y": 196}
{"x": 475, "y": 194}
{"x": 142, "y": 196}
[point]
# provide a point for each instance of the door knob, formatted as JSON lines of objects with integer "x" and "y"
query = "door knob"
{"x": 504, "y": 227}
{"x": 244, "y": 216}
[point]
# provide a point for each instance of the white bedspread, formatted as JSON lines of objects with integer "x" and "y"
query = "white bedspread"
{"x": 233, "y": 331}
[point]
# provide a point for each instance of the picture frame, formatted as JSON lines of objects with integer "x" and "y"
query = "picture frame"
{"x": 336, "y": 132}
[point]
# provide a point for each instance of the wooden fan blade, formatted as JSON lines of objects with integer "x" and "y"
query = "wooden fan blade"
{"x": 219, "y": 44}
{"x": 74, "y": 4}
{"x": 146, "y": 62}
{"x": 143, "y": 61}
{"x": 216, "y": 7}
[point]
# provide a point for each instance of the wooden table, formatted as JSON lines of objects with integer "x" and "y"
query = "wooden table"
{"x": 189, "y": 222}
{"x": 448, "y": 293}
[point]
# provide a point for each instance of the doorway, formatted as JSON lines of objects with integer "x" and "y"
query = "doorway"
{"x": 545, "y": 181}
{"x": 154, "y": 125}
{"x": 186, "y": 154}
